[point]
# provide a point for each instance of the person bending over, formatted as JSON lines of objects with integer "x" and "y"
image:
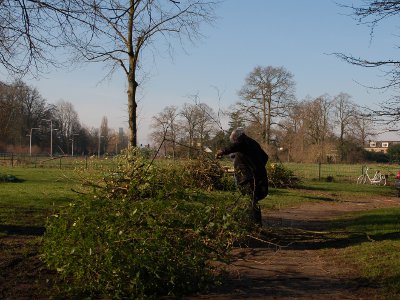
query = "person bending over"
{"x": 249, "y": 163}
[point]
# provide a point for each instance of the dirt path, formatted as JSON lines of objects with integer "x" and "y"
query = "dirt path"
{"x": 293, "y": 265}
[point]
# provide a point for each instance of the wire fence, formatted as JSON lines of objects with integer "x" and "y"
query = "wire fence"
{"x": 44, "y": 161}
{"x": 340, "y": 172}
{"x": 306, "y": 171}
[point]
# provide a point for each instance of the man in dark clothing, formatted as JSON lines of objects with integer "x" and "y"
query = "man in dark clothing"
{"x": 249, "y": 163}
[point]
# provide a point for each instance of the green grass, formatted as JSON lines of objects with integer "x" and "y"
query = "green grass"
{"x": 376, "y": 257}
{"x": 319, "y": 191}
{"x": 40, "y": 190}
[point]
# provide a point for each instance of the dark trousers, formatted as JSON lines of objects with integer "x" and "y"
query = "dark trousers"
{"x": 256, "y": 190}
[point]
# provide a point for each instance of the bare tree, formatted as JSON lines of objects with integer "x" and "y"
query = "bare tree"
{"x": 266, "y": 96}
{"x": 117, "y": 31}
{"x": 109, "y": 31}
{"x": 292, "y": 141}
{"x": 33, "y": 106}
{"x": 21, "y": 108}
{"x": 104, "y": 137}
{"x": 67, "y": 123}
{"x": 205, "y": 123}
{"x": 28, "y": 35}
{"x": 371, "y": 13}
{"x": 305, "y": 135}
{"x": 189, "y": 124}
{"x": 10, "y": 117}
{"x": 362, "y": 127}
{"x": 318, "y": 122}
{"x": 165, "y": 128}
{"x": 344, "y": 113}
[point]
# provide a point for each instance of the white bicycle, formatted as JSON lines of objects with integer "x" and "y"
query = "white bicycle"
{"x": 378, "y": 179}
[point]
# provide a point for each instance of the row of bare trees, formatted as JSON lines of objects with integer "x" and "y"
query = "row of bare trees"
{"x": 320, "y": 129}
{"x": 314, "y": 129}
{"x": 183, "y": 132}
{"x": 324, "y": 129}
{"x": 36, "y": 33}
{"x": 28, "y": 124}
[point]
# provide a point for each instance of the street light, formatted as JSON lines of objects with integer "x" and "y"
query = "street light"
{"x": 51, "y": 135}
{"x": 30, "y": 141}
{"x": 72, "y": 152}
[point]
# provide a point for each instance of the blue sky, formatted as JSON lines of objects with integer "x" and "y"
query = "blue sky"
{"x": 297, "y": 35}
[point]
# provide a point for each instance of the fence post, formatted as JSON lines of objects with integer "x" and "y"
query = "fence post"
{"x": 60, "y": 163}
{"x": 12, "y": 159}
{"x": 86, "y": 161}
{"x": 319, "y": 171}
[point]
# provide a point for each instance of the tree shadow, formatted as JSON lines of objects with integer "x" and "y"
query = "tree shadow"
{"x": 17, "y": 220}
{"x": 294, "y": 234}
{"x": 22, "y": 230}
{"x": 319, "y": 198}
{"x": 251, "y": 284}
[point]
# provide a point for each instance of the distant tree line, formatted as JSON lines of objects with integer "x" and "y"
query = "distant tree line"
{"x": 316, "y": 129}
{"x": 28, "y": 123}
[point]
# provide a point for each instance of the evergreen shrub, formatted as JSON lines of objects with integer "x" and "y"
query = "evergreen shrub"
{"x": 281, "y": 177}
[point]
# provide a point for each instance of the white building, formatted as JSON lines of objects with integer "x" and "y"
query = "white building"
{"x": 379, "y": 146}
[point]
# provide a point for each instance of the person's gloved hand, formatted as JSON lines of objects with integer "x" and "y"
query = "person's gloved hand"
{"x": 219, "y": 154}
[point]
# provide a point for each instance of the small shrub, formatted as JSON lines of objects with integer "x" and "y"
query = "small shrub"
{"x": 9, "y": 178}
{"x": 279, "y": 176}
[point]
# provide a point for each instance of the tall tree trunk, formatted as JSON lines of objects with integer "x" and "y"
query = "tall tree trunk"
{"x": 264, "y": 121}
{"x": 268, "y": 131}
{"x": 132, "y": 109}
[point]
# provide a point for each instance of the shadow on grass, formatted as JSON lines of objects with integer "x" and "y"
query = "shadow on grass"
{"x": 17, "y": 220}
{"x": 283, "y": 192}
{"x": 319, "y": 198}
{"x": 10, "y": 179}
{"x": 285, "y": 286}
{"x": 22, "y": 230}
{"x": 316, "y": 234}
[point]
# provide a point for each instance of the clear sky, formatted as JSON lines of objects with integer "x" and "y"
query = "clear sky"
{"x": 297, "y": 35}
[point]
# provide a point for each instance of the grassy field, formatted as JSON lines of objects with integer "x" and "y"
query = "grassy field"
{"x": 320, "y": 191}
{"x": 36, "y": 192}
{"x": 40, "y": 191}
{"x": 378, "y": 259}
{"x": 43, "y": 189}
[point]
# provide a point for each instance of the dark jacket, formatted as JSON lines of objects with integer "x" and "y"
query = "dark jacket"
{"x": 250, "y": 160}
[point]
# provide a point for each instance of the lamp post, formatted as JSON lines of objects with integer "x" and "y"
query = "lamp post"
{"x": 51, "y": 135}
{"x": 30, "y": 141}
{"x": 72, "y": 151}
